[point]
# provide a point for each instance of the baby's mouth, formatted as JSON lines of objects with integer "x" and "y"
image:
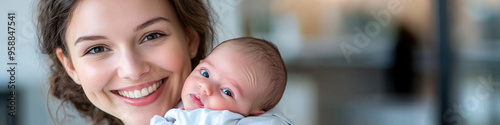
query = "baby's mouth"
{"x": 196, "y": 100}
{"x": 140, "y": 93}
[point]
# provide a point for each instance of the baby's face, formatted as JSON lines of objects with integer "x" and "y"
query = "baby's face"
{"x": 225, "y": 80}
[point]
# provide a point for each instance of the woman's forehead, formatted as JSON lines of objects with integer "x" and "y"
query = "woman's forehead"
{"x": 118, "y": 10}
{"x": 91, "y": 17}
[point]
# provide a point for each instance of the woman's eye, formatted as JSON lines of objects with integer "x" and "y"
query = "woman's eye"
{"x": 97, "y": 49}
{"x": 204, "y": 73}
{"x": 227, "y": 92}
{"x": 152, "y": 36}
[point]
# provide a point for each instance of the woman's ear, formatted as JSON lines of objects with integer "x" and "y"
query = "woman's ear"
{"x": 68, "y": 66}
{"x": 257, "y": 113}
{"x": 193, "y": 42}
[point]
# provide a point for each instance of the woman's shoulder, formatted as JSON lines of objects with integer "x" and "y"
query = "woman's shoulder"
{"x": 271, "y": 117}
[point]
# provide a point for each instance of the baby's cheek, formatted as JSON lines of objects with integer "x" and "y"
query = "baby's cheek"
{"x": 187, "y": 88}
{"x": 221, "y": 104}
{"x": 185, "y": 97}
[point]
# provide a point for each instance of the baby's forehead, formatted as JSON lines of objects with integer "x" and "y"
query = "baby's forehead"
{"x": 245, "y": 70}
{"x": 257, "y": 56}
{"x": 242, "y": 58}
{"x": 248, "y": 74}
{"x": 229, "y": 46}
{"x": 237, "y": 54}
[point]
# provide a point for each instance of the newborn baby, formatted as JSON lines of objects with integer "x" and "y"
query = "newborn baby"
{"x": 241, "y": 77}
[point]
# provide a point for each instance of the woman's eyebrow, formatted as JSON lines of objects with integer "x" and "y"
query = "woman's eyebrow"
{"x": 84, "y": 38}
{"x": 140, "y": 27}
{"x": 150, "y": 22}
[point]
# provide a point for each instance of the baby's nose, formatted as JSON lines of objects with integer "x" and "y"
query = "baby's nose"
{"x": 205, "y": 88}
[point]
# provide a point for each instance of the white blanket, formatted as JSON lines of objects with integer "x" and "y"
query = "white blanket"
{"x": 215, "y": 117}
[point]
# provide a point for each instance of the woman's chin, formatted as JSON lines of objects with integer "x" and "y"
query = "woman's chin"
{"x": 140, "y": 118}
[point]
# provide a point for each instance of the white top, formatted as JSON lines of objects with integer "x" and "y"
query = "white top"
{"x": 217, "y": 117}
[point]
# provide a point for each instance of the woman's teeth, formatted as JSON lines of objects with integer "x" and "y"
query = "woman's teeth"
{"x": 140, "y": 93}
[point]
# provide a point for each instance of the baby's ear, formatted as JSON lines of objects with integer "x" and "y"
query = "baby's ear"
{"x": 257, "y": 113}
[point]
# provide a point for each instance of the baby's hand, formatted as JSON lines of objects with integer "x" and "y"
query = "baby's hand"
{"x": 182, "y": 107}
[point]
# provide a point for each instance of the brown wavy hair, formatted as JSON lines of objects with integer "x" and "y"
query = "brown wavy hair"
{"x": 53, "y": 19}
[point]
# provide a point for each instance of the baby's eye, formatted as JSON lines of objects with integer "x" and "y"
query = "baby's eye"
{"x": 227, "y": 92}
{"x": 96, "y": 49}
{"x": 152, "y": 36}
{"x": 204, "y": 73}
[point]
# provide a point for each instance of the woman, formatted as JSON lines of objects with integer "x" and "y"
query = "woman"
{"x": 101, "y": 49}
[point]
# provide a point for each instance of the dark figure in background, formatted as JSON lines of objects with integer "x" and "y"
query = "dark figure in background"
{"x": 401, "y": 76}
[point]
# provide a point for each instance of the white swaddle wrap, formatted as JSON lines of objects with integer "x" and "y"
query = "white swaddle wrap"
{"x": 215, "y": 117}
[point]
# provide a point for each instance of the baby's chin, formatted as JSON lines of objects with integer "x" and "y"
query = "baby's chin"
{"x": 189, "y": 106}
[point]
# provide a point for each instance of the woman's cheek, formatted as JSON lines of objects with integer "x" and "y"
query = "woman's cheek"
{"x": 173, "y": 58}
{"x": 94, "y": 77}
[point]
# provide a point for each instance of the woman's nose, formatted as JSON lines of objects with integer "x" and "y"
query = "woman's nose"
{"x": 205, "y": 88}
{"x": 132, "y": 67}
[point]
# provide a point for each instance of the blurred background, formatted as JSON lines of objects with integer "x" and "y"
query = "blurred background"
{"x": 350, "y": 62}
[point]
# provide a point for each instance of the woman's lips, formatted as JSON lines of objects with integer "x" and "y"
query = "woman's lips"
{"x": 141, "y": 95}
{"x": 196, "y": 100}
{"x": 141, "y": 92}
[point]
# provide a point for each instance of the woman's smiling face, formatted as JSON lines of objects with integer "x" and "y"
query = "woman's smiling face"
{"x": 130, "y": 57}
